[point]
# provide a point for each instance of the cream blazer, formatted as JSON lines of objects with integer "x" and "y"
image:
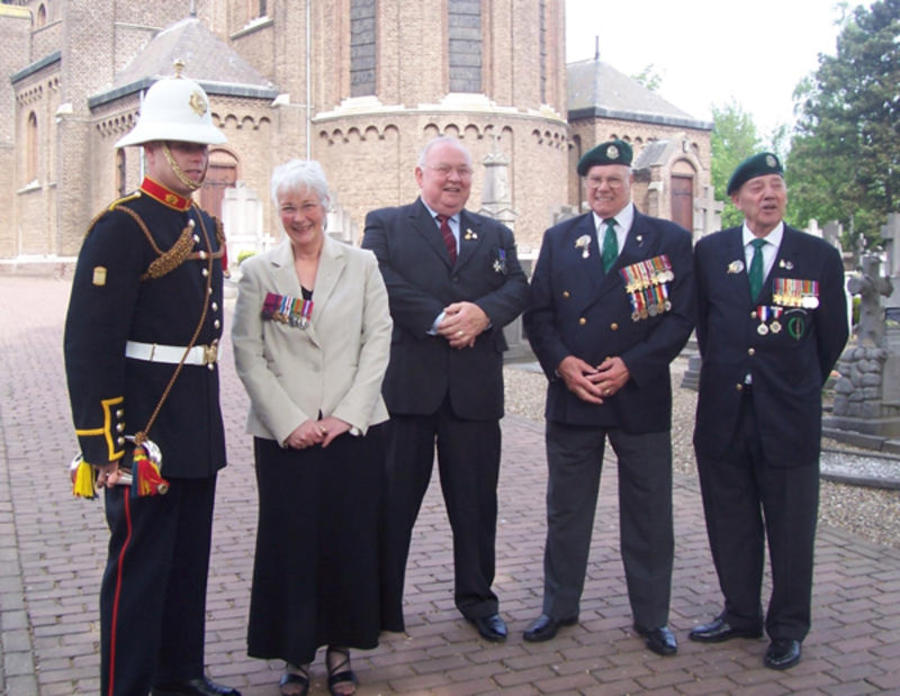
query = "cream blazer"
{"x": 334, "y": 366}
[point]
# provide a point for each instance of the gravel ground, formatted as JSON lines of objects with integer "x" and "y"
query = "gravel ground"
{"x": 870, "y": 513}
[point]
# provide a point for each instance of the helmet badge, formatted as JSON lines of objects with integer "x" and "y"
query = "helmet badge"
{"x": 198, "y": 103}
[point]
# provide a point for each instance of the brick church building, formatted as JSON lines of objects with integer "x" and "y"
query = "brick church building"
{"x": 359, "y": 85}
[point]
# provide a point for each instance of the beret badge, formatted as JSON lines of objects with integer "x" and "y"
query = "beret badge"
{"x": 612, "y": 152}
{"x": 771, "y": 161}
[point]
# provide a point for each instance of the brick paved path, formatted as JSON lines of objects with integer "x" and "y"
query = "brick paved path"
{"x": 52, "y": 550}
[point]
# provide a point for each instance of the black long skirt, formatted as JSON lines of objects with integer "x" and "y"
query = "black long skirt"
{"x": 317, "y": 577}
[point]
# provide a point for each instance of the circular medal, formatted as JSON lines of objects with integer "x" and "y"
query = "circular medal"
{"x": 635, "y": 315}
{"x": 668, "y": 305}
{"x": 775, "y": 326}
{"x": 653, "y": 310}
{"x": 643, "y": 313}
{"x": 762, "y": 329}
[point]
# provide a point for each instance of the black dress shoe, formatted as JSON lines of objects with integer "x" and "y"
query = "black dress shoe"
{"x": 545, "y": 627}
{"x": 719, "y": 629}
{"x": 194, "y": 687}
{"x": 660, "y": 640}
{"x": 782, "y": 653}
{"x": 491, "y": 627}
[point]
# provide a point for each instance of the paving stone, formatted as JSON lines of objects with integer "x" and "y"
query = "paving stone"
{"x": 52, "y": 554}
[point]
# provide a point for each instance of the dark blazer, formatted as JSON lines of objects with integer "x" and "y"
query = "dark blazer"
{"x": 112, "y": 395}
{"x": 421, "y": 282}
{"x": 578, "y": 310}
{"x": 788, "y": 367}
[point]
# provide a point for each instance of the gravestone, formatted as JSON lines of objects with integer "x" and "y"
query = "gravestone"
{"x": 864, "y": 398}
{"x": 496, "y": 203}
{"x": 242, "y": 218}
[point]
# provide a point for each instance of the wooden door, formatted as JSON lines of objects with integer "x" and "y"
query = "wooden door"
{"x": 683, "y": 201}
{"x": 222, "y": 174}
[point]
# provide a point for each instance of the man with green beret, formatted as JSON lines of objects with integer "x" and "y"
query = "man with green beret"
{"x": 612, "y": 305}
{"x": 771, "y": 322}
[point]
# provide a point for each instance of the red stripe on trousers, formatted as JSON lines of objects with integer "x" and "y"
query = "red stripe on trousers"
{"x": 115, "y": 610}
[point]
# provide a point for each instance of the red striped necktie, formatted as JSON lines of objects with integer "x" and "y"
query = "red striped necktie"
{"x": 447, "y": 234}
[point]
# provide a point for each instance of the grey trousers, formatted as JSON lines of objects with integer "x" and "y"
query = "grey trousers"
{"x": 575, "y": 459}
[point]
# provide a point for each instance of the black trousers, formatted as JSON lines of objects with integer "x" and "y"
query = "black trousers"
{"x": 575, "y": 460}
{"x": 468, "y": 454}
{"x": 746, "y": 499}
{"x": 153, "y": 594}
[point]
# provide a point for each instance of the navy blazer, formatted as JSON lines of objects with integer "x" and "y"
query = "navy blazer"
{"x": 578, "y": 310}
{"x": 420, "y": 282}
{"x": 788, "y": 367}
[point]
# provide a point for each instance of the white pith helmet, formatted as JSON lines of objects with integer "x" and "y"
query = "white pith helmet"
{"x": 174, "y": 108}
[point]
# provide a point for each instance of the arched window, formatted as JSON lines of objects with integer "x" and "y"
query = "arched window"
{"x": 256, "y": 9}
{"x": 121, "y": 178}
{"x": 362, "y": 47}
{"x": 41, "y": 16}
{"x": 466, "y": 46}
{"x": 542, "y": 9}
{"x": 31, "y": 148}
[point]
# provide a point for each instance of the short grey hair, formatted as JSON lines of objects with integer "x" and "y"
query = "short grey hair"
{"x": 298, "y": 174}
{"x": 423, "y": 155}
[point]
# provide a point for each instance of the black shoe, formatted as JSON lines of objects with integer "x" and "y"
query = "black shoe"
{"x": 782, "y": 654}
{"x": 660, "y": 640}
{"x": 491, "y": 627}
{"x": 719, "y": 630}
{"x": 545, "y": 627}
{"x": 194, "y": 687}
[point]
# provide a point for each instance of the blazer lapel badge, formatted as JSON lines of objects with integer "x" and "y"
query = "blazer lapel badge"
{"x": 584, "y": 243}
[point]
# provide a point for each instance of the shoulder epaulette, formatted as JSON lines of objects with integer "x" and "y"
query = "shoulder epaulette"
{"x": 112, "y": 206}
{"x": 123, "y": 199}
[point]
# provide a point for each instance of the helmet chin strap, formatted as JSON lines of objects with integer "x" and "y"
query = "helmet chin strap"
{"x": 179, "y": 172}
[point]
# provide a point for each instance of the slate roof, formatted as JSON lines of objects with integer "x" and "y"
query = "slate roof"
{"x": 596, "y": 89}
{"x": 208, "y": 60}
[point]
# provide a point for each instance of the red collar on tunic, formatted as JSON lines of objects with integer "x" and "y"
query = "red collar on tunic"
{"x": 160, "y": 193}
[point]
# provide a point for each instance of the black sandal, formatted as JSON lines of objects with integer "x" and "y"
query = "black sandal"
{"x": 336, "y": 672}
{"x": 301, "y": 677}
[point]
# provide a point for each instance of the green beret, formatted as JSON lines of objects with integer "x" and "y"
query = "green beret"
{"x": 752, "y": 167}
{"x": 610, "y": 152}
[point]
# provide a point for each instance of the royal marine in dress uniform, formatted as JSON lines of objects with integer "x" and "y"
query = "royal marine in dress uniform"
{"x": 771, "y": 322}
{"x": 606, "y": 319}
{"x": 146, "y": 303}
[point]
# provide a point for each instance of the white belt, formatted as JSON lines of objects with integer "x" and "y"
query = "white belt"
{"x": 158, "y": 353}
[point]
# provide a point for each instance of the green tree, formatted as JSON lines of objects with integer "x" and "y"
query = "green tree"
{"x": 844, "y": 162}
{"x": 649, "y": 77}
{"x": 734, "y": 137}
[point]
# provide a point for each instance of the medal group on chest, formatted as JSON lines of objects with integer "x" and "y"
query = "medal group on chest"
{"x": 287, "y": 310}
{"x": 788, "y": 294}
{"x": 647, "y": 285}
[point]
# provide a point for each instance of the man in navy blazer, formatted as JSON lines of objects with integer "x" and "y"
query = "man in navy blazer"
{"x": 612, "y": 304}
{"x": 771, "y": 324}
{"x": 453, "y": 282}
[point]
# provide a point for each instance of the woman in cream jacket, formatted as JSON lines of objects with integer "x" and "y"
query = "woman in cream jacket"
{"x": 312, "y": 333}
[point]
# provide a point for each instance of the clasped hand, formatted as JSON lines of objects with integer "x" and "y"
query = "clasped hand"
{"x": 316, "y": 432}
{"x": 591, "y": 383}
{"x": 462, "y": 323}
